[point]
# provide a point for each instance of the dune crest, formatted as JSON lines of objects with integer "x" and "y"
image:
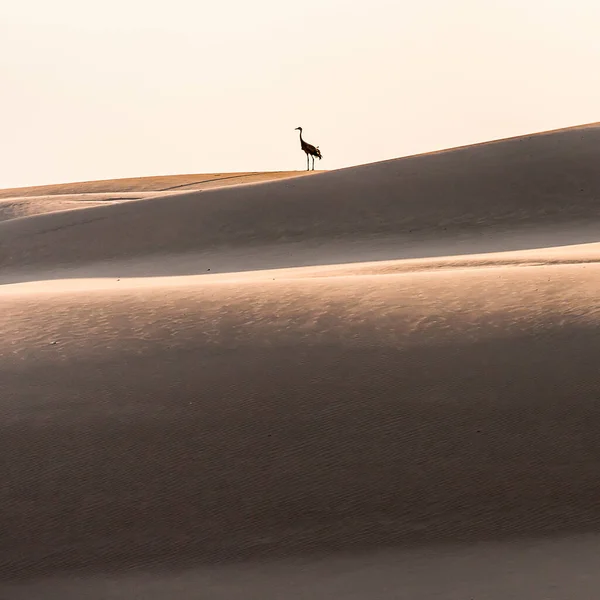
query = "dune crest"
{"x": 25, "y": 202}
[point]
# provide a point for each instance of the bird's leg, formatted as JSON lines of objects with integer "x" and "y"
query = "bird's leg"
{"x": 307, "y": 162}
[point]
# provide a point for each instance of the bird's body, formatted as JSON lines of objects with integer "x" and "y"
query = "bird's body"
{"x": 310, "y": 151}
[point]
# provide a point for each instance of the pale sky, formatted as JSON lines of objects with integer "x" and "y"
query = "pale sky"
{"x": 119, "y": 88}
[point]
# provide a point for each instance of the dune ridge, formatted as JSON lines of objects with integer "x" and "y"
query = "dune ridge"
{"x": 387, "y": 357}
{"x": 25, "y": 202}
{"x": 156, "y": 184}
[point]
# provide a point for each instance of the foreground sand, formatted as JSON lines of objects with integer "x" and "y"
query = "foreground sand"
{"x": 389, "y": 370}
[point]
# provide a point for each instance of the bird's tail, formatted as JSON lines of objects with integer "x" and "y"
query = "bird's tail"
{"x": 319, "y": 155}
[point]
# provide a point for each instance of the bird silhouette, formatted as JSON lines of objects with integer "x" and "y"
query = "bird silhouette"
{"x": 310, "y": 151}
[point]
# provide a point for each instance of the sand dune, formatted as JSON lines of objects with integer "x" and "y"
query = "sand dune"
{"x": 28, "y": 206}
{"x": 26, "y": 202}
{"x": 163, "y": 183}
{"x": 386, "y": 358}
{"x": 499, "y": 187}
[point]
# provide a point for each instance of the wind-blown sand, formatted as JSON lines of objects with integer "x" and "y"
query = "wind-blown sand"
{"x": 339, "y": 385}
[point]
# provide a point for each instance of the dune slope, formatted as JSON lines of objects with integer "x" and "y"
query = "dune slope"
{"x": 243, "y": 420}
{"x": 530, "y": 181}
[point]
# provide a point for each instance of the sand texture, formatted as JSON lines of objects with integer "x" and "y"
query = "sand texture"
{"x": 317, "y": 386}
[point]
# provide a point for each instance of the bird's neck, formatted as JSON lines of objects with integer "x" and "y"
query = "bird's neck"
{"x": 300, "y": 132}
